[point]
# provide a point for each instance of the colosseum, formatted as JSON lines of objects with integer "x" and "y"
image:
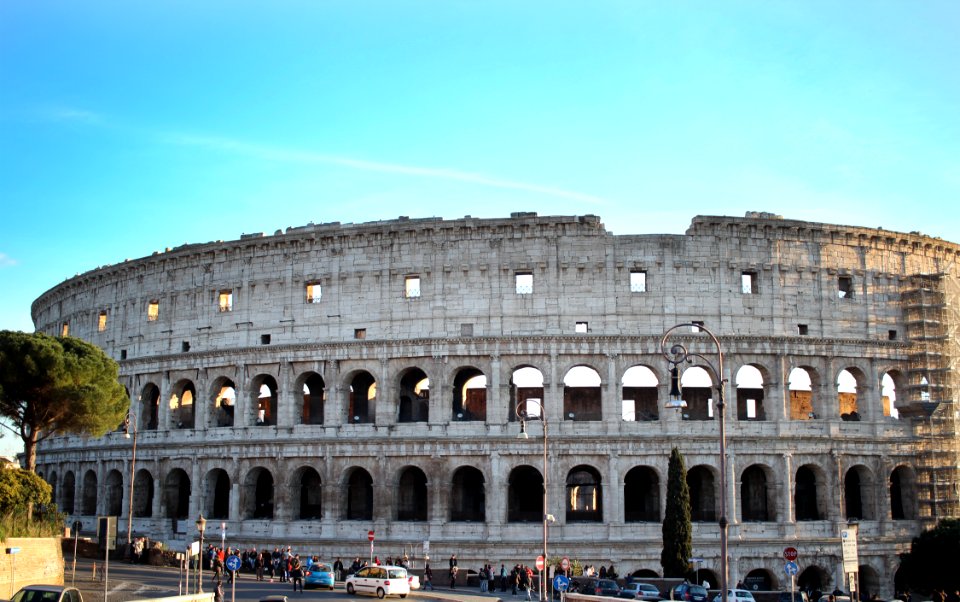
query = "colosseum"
{"x": 307, "y": 387}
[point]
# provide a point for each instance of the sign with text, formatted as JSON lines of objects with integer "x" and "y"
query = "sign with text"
{"x": 107, "y": 532}
{"x": 848, "y": 545}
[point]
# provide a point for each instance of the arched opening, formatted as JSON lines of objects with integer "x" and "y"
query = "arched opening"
{"x": 307, "y": 495}
{"x": 525, "y": 495}
{"x": 224, "y": 398}
{"x": 359, "y": 504}
{"x": 756, "y": 494}
{"x": 750, "y": 394}
{"x": 847, "y": 384}
{"x": 361, "y": 396}
{"x": 639, "y": 393}
{"x": 800, "y": 385}
{"x": 760, "y": 580}
{"x": 644, "y": 574}
{"x": 258, "y": 494}
{"x": 808, "y": 504}
{"x": 525, "y": 383}
{"x": 414, "y": 403}
{"x": 176, "y": 494}
{"x": 88, "y": 504}
{"x": 703, "y": 494}
{"x": 641, "y": 495}
{"x": 858, "y": 497}
{"x": 890, "y": 383}
{"x": 412, "y": 495}
{"x": 903, "y": 494}
{"x": 113, "y": 493}
{"x": 143, "y": 494}
{"x": 696, "y": 388}
{"x": 706, "y": 575}
{"x": 218, "y": 494}
{"x": 314, "y": 398}
{"x": 181, "y": 405}
{"x": 69, "y": 491}
{"x": 469, "y": 395}
{"x": 264, "y": 400}
{"x": 468, "y": 500}
{"x": 813, "y": 578}
{"x": 149, "y": 407}
{"x": 584, "y": 495}
{"x": 869, "y": 580}
{"x": 582, "y": 394}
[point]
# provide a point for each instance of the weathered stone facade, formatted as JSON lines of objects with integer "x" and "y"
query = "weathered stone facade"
{"x": 309, "y": 386}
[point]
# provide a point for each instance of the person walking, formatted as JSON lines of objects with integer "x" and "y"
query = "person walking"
{"x": 296, "y": 573}
{"x": 428, "y": 578}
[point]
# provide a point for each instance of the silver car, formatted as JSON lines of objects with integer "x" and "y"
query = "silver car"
{"x": 47, "y": 593}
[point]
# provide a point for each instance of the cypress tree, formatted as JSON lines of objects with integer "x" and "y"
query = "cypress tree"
{"x": 677, "y": 528}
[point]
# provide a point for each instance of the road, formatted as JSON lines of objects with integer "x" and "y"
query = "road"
{"x": 126, "y": 582}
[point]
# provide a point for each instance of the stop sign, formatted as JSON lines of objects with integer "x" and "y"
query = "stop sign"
{"x": 540, "y": 563}
{"x": 790, "y": 554}
{"x": 370, "y": 535}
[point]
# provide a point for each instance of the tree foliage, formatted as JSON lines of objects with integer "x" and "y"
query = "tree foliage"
{"x": 51, "y": 385}
{"x": 677, "y": 528}
{"x": 932, "y": 560}
{"x": 19, "y": 488}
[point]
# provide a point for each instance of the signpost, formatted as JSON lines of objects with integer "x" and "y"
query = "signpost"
{"x": 561, "y": 583}
{"x": 107, "y": 537}
{"x": 233, "y": 565}
{"x": 851, "y": 560}
{"x": 370, "y": 537}
{"x": 790, "y": 554}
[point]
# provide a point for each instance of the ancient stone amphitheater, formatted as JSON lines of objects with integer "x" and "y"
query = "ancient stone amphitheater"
{"x": 306, "y": 387}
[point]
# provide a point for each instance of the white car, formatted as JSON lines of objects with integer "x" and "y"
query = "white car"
{"x": 736, "y": 595}
{"x": 379, "y": 580}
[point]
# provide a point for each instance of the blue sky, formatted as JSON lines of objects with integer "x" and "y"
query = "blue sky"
{"x": 127, "y": 127}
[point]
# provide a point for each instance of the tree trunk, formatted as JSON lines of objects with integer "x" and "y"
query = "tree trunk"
{"x": 30, "y": 461}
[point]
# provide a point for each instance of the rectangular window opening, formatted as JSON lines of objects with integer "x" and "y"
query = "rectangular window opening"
{"x": 581, "y": 327}
{"x": 185, "y": 346}
{"x": 153, "y": 311}
{"x": 803, "y": 329}
{"x": 264, "y": 339}
{"x": 638, "y": 281}
{"x": 845, "y": 287}
{"x": 102, "y": 321}
{"x": 123, "y": 354}
{"x": 891, "y": 335}
{"x": 226, "y": 300}
{"x": 411, "y": 287}
{"x": 749, "y": 284}
{"x": 697, "y": 326}
{"x": 314, "y": 292}
{"x": 359, "y": 333}
{"x": 751, "y": 409}
{"x": 524, "y": 282}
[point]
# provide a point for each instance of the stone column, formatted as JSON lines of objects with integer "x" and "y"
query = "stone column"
{"x": 553, "y": 393}
{"x": 156, "y": 508}
{"x": 495, "y": 486}
{"x": 202, "y": 403}
{"x": 334, "y": 406}
{"x": 835, "y": 511}
{"x": 197, "y": 502}
{"x": 497, "y": 410}
{"x": 611, "y": 404}
{"x": 289, "y": 403}
{"x": 441, "y": 410}
{"x": 234, "y": 512}
{"x": 163, "y": 412}
{"x": 788, "y": 515}
{"x": 612, "y": 512}
{"x": 387, "y": 404}
{"x": 102, "y": 489}
{"x": 776, "y": 396}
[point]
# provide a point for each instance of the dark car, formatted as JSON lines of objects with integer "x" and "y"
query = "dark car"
{"x": 605, "y": 587}
{"x": 689, "y": 592}
{"x": 797, "y": 597}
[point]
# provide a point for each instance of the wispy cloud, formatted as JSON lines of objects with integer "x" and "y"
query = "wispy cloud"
{"x": 6, "y": 261}
{"x": 67, "y": 113}
{"x": 292, "y": 155}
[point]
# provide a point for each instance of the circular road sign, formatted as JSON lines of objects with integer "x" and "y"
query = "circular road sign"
{"x": 561, "y": 583}
{"x": 370, "y": 535}
{"x": 565, "y": 563}
{"x": 790, "y": 554}
{"x": 791, "y": 568}
{"x": 540, "y": 563}
{"x": 233, "y": 563}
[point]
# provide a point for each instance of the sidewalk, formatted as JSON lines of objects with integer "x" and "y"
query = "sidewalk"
{"x": 467, "y": 594}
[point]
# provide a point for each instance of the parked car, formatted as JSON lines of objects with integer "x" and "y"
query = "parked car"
{"x": 47, "y": 593}
{"x": 736, "y": 595}
{"x": 414, "y": 581}
{"x": 641, "y": 591}
{"x": 606, "y": 587}
{"x": 320, "y": 574}
{"x": 689, "y": 592}
{"x": 379, "y": 580}
{"x": 826, "y": 598}
{"x": 800, "y": 596}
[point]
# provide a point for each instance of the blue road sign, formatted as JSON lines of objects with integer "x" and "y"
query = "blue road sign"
{"x": 791, "y": 568}
{"x": 561, "y": 583}
{"x": 233, "y": 563}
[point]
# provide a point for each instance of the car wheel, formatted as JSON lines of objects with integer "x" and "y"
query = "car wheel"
{"x": 403, "y": 595}
{"x": 381, "y": 593}
{"x": 350, "y": 589}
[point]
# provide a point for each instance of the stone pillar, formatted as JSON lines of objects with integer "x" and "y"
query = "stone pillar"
{"x": 334, "y": 406}
{"x": 102, "y": 489}
{"x": 126, "y": 502}
{"x": 611, "y": 405}
{"x": 495, "y": 484}
{"x": 497, "y": 410}
{"x": 235, "y": 512}
{"x": 553, "y": 392}
{"x": 386, "y": 400}
{"x": 156, "y": 509}
{"x": 202, "y": 403}
{"x": 733, "y": 506}
{"x": 289, "y": 400}
{"x": 441, "y": 410}
{"x": 668, "y": 417}
{"x": 884, "y": 512}
{"x": 776, "y": 396}
{"x": 788, "y": 515}
{"x": 835, "y": 511}
{"x": 612, "y": 512}
{"x": 198, "y": 504}
{"x": 869, "y": 402}
{"x": 241, "y": 408}
{"x": 163, "y": 412}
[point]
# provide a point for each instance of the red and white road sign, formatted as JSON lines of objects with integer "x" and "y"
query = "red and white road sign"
{"x": 540, "y": 562}
{"x": 370, "y": 535}
{"x": 565, "y": 563}
{"x": 790, "y": 554}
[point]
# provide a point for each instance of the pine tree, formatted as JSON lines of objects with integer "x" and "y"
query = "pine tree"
{"x": 677, "y": 528}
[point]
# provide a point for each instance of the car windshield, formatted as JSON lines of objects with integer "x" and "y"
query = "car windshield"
{"x": 696, "y": 589}
{"x": 32, "y": 595}
{"x": 324, "y": 568}
{"x": 398, "y": 574}
{"x": 648, "y": 588}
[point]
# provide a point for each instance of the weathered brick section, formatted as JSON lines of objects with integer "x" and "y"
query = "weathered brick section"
{"x": 38, "y": 561}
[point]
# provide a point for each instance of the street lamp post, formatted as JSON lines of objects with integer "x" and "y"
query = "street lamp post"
{"x": 201, "y": 526}
{"x": 678, "y": 354}
{"x": 130, "y": 423}
{"x": 524, "y": 414}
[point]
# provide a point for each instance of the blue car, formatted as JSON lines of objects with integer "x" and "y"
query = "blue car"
{"x": 319, "y": 575}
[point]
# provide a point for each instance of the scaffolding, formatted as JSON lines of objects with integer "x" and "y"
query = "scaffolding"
{"x": 931, "y": 307}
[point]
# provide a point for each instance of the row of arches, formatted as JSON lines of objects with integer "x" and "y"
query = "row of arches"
{"x": 641, "y": 390}
{"x": 467, "y": 490}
